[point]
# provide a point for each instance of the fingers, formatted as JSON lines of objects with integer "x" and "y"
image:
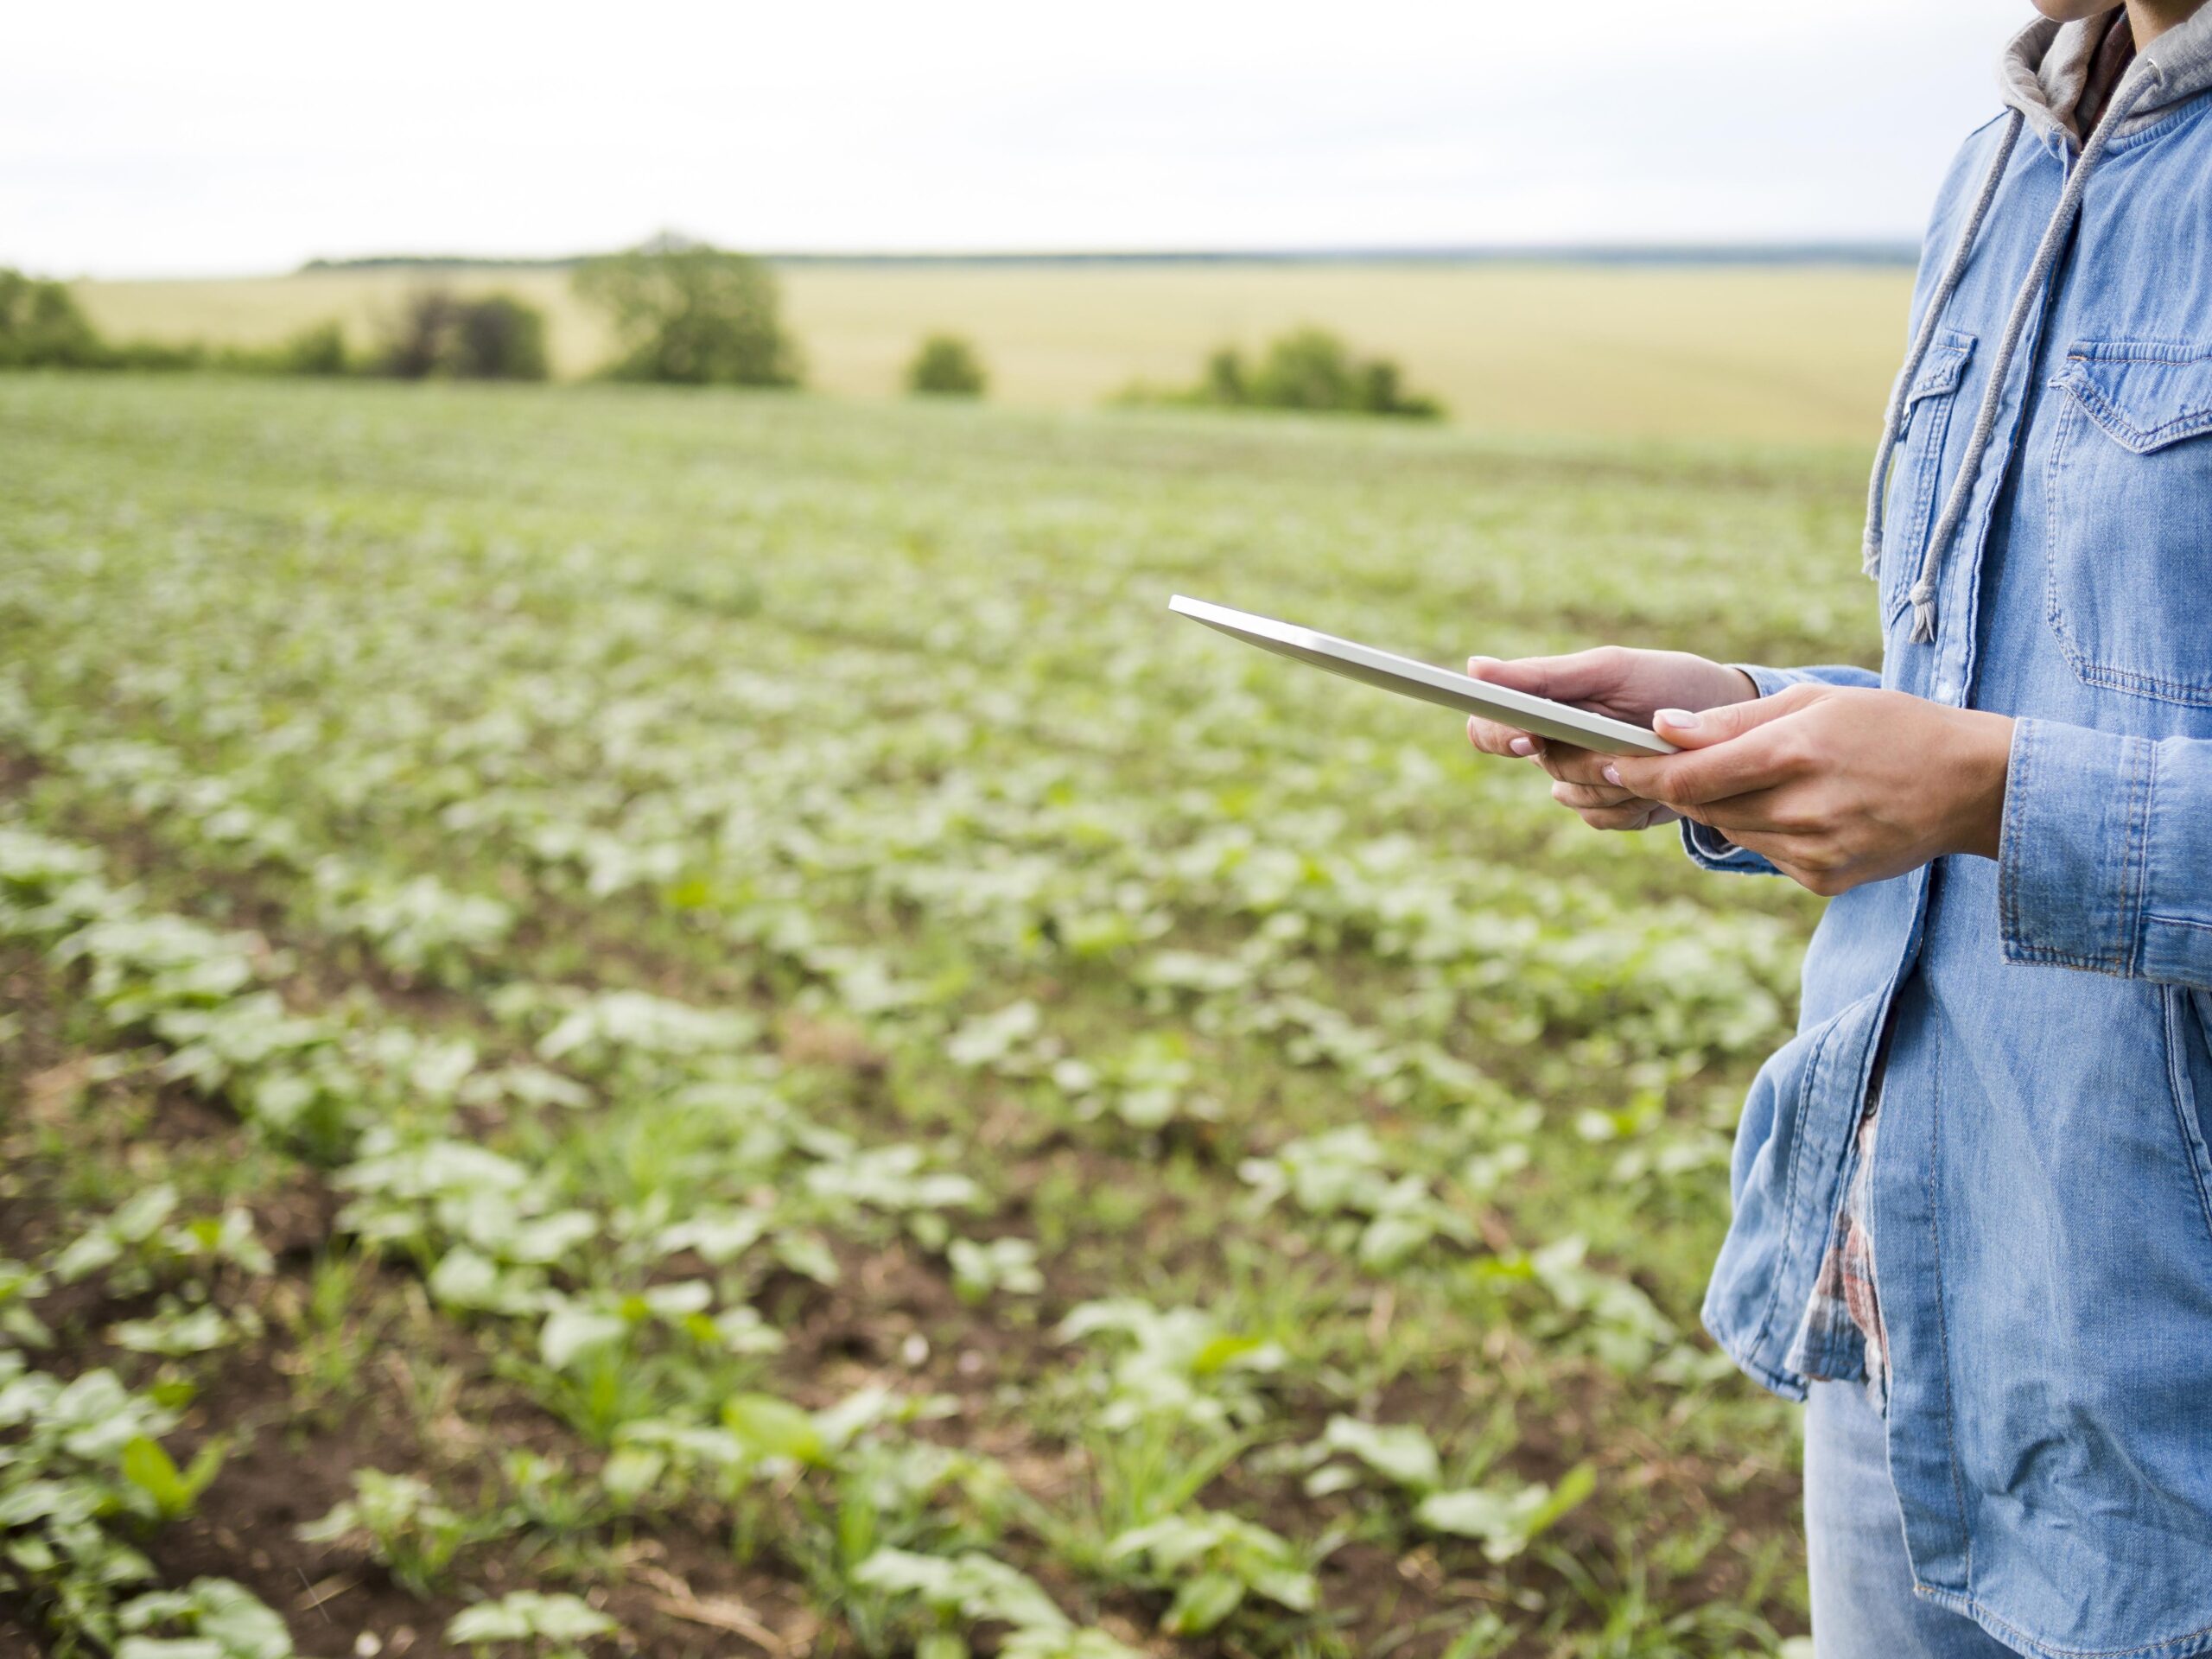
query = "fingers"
{"x": 1732, "y": 750}
{"x": 1603, "y": 808}
{"x": 1577, "y": 781}
{"x": 1493, "y": 739}
{"x": 1630, "y": 815}
{"x": 1570, "y": 765}
{"x": 1759, "y": 761}
{"x": 1581, "y": 796}
{"x": 1689, "y": 730}
{"x": 1564, "y": 761}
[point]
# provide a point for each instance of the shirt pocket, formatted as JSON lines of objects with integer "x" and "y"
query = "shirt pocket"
{"x": 2128, "y": 518}
{"x": 1909, "y": 510}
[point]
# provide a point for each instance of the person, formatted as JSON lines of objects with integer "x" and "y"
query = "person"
{"x": 1973, "y": 1196}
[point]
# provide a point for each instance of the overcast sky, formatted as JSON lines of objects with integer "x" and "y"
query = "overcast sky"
{"x": 179, "y": 139}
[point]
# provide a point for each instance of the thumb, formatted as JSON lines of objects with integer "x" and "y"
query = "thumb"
{"x": 1571, "y": 678}
{"x": 1689, "y": 729}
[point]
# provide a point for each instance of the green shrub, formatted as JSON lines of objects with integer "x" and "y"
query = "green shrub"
{"x": 1308, "y": 369}
{"x": 1224, "y": 380}
{"x": 154, "y": 356}
{"x": 41, "y": 326}
{"x": 441, "y": 335}
{"x": 946, "y": 366}
{"x": 318, "y": 348}
{"x": 499, "y": 338}
{"x": 692, "y": 314}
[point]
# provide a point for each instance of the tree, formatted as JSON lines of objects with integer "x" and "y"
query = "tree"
{"x": 499, "y": 338}
{"x": 318, "y": 348}
{"x": 946, "y": 366}
{"x": 1225, "y": 381}
{"x": 1309, "y": 369}
{"x": 440, "y": 335}
{"x": 692, "y": 314}
{"x": 41, "y": 326}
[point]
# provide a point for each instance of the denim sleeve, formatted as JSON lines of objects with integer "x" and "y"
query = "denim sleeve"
{"x": 1707, "y": 846}
{"x": 2104, "y": 859}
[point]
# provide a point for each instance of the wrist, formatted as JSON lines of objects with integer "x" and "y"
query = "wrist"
{"x": 1715, "y": 686}
{"x": 1983, "y": 762}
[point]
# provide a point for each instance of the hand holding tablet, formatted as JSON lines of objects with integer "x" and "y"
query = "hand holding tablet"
{"x": 1519, "y": 710}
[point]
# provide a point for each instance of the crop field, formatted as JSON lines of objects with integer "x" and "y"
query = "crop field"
{"x": 1787, "y": 354}
{"x": 644, "y": 1023}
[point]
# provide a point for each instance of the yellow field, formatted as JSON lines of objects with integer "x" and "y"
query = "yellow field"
{"x": 1791, "y": 353}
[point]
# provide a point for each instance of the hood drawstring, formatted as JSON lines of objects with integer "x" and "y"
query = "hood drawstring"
{"x": 1923, "y": 594}
{"x": 1901, "y": 395}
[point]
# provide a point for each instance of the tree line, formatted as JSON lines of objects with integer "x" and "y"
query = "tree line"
{"x": 683, "y": 313}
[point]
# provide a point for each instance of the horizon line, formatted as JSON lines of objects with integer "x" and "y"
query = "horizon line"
{"x": 1845, "y": 250}
{"x": 1864, "y": 251}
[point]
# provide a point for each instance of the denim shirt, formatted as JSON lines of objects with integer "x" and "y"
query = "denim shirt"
{"x": 2039, "y": 1194}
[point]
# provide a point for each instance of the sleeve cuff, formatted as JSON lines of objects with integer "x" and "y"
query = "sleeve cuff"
{"x": 1771, "y": 680}
{"x": 1768, "y": 680}
{"x": 2072, "y": 850}
{"x": 1709, "y": 849}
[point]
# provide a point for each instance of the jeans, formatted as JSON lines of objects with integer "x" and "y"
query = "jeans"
{"x": 1862, "y": 1605}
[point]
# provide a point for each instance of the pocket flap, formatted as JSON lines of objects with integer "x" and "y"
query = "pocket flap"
{"x": 1941, "y": 369}
{"x": 2145, "y": 394}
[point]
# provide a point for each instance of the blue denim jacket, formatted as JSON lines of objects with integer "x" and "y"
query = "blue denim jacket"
{"x": 2040, "y": 1199}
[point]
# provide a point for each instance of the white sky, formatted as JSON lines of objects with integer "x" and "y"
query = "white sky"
{"x": 179, "y": 139}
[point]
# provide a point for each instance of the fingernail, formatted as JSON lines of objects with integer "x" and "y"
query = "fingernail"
{"x": 1474, "y": 663}
{"x": 1524, "y": 747}
{"x": 1612, "y": 774}
{"x": 1681, "y": 718}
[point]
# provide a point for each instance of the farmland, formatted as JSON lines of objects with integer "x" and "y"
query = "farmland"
{"x": 1798, "y": 353}
{"x": 636, "y": 1022}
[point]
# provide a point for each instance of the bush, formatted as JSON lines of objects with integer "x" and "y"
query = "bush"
{"x": 318, "y": 349}
{"x": 500, "y": 338}
{"x": 419, "y": 341}
{"x": 41, "y": 326}
{"x": 946, "y": 366}
{"x": 1224, "y": 378}
{"x": 692, "y": 314}
{"x": 441, "y": 335}
{"x": 1306, "y": 369}
{"x": 154, "y": 357}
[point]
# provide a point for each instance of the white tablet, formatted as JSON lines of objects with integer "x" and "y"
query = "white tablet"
{"x": 1560, "y": 721}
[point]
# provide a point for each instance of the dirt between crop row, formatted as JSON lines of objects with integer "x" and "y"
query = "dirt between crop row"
{"x": 677, "y": 1589}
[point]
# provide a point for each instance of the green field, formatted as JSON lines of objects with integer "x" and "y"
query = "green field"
{"x": 697, "y": 1005}
{"x": 1763, "y": 353}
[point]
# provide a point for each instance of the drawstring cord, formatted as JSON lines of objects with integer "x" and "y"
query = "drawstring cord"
{"x": 1893, "y": 423}
{"x": 1923, "y": 592}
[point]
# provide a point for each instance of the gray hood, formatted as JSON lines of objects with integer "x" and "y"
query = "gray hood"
{"x": 2044, "y": 65}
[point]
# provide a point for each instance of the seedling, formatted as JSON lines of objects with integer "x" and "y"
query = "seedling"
{"x": 1213, "y": 1561}
{"x": 556, "y": 1626}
